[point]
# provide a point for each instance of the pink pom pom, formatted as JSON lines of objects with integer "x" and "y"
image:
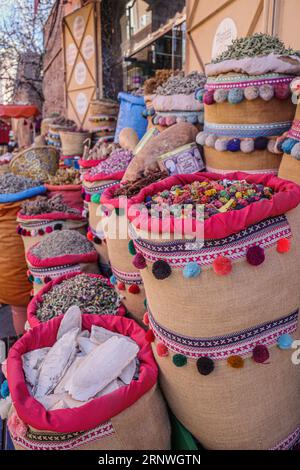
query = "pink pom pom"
{"x": 170, "y": 121}
{"x": 282, "y": 91}
{"x": 139, "y": 261}
{"x": 48, "y": 229}
{"x": 146, "y": 319}
{"x": 16, "y": 426}
{"x": 208, "y": 98}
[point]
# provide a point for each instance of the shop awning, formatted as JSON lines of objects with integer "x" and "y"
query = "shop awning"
{"x": 18, "y": 111}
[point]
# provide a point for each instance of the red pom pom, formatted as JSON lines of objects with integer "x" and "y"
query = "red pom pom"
{"x": 282, "y": 91}
{"x": 283, "y": 245}
{"x": 162, "y": 350}
{"x": 88, "y": 198}
{"x": 149, "y": 336}
{"x": 48, "y": 229}
{"x": 260, "y": 353}
{"x": 146, "y": 319}
{"x": 222, "y": 265}
{"x": 90, "y": 236}
{"x": 41, "y": 231}
{"x": 134, "y": 289}
{"x": 208, "y": 98}
{"x": 121, "y": 286}
{"x": 122, "y": 310}
{"x": 139, "y": 261}
{"x": 255, "y": 255}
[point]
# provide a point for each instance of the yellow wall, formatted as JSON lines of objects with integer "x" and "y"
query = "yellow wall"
{"x": 279, "y": 17}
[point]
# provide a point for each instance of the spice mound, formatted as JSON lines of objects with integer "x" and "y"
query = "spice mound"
{"x": 12, "y": 184}
{"x": 131, "y": 189}
{"x": 100, "y": 151}
{"x": 63, "y": 376}
{"x": 43, "y": 205}
{"x": 182, "y": 85}
{"x": 65, "y": 176}
{"x": 90, "y": 294}
{"x": 216, "y": 197}
{"x": 254, "y": 46}
{"x": 60, "y": 243}
{"x": 117, "y": 161}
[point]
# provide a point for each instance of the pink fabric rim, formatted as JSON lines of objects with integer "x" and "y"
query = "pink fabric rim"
{"x": 50, "y": 216}
{"x": 63, "y": 187}
{"x": 89, "y": 163}
{"x": 103, "y": 176}
{"x": 36, "y": 262}
{"x": 94, "y": 412}
{"x": 221, "y": 225}
{"x": 37, "y": 299}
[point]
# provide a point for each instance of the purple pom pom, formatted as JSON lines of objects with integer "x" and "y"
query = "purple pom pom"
{"x": 255, "y": 255}
{"x": 234, "y": 145}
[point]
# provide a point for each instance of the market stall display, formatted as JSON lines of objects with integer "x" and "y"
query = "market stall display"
{"x": 59, "y": 253}
{"x": 45, "y": 214}
{"x": 116, "y": 418}
{"x": 72, "y": 142}
{"x": 67, "y": 183}
{"x": 103, "y": 120}
{"x": 240, "y": 240}
{"x": 175, "y": 101}
{"x": 58, "y": 124}
{"x": 37, "y": 162}
{"x": 92, "y": 293}
{"x": 14, "y": 286}
{"x": 248, "y": 104}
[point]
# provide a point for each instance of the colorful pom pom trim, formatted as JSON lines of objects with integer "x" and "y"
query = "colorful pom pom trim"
{"x": 245, "y": 145}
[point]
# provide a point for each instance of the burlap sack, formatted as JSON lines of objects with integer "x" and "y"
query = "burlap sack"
{"x": 43, "y": 223}
{"x": 218, "y": 316}
{"x": 42, "y": 271}
{"x": 14, "y": 286}
{"x": 256, "y": 111}
{"x": 131, "y": 418}
{"x": 128, "y": 282}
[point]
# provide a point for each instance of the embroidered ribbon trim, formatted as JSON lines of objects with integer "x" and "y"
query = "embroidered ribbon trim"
{"x": 127, "y": 278}
{"x": 240, "y": 131}
{"x": 180, "y": 252}
{"x": 221, "y": 347}
{"x": 98, "y": 189}
{"x": 64, "y": 441}
{"x": 290, "y": 441}
{"x": 55, "y": 271}
{"x": 254, "y": 172}
{"x": 233, "y": 82}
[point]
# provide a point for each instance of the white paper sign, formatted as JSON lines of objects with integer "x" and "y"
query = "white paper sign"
{"x": 78, "y": 27}
{"x": 226, "y": 33}
{"x": 88, "y": 47}
{"x": 80, "y": 73}
{"x": 81, "y": 103}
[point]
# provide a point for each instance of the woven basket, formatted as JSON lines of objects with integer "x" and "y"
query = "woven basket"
{"x": 104, "y": 107}
{"x": 73, "y": 142}
{"x": 35, "y": 162}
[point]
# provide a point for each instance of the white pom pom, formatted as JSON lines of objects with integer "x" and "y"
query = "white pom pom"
{"x": 296, "y": 151}
{"x": 247, "y": 145}
{"x": 201, "y": 117}
{"x": 210, "y": 140}
{"x": 201, "y": 137}
{"x": 221, "y": 145}
{"x": 220, "y": 95}
{"x": 251, "y": 93}
{"x": 266, "y": 92}
{"x": 5, "y": 405}
{"x": 272, "y": 145}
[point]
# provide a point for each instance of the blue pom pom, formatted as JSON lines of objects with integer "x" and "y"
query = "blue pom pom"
{"x": 288, "y": 144}
{"x": 193, "y": 119}
{"x": 233, "y": 145}
{"x": 192, "y": 269}
{"x": 38, "y": 280}
{"x": 199, "y": 94}
{"x": 285, "y": 341}
{"x": 4, "y": 390}
{"x": 235, "y": 95}
{"x": 113, "y": 280}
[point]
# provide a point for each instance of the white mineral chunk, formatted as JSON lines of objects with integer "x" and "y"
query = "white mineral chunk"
{"x": 49, "y": 401}
{"x": 114, "y": 385}
{"x": 31, "y": 364}
{"x": 56, "y": 363}
{"x": 60, "y": 405}
{"x": 86, "y": 345}
{"x": 64, "y": 384}
{"x": 127, "y": 374}
{"x": 99, "y": 335}
{"x": 71, "y": 319}
{"x": 5, "y": 404}
{"x": 103, "y": 365}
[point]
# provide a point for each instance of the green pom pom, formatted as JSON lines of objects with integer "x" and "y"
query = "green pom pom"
{"x": 179, "y": 360}
{"x": 131, "y": 248}
{"x": 95, "y": 198}
{"x": 145, "y": 303}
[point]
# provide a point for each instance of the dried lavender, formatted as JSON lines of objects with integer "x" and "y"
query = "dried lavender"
{"x": 11, "y": 184}
{"x": 60, "y": 243}
{"x": 90, "y": 294}
{"x": 179, "y": 84}
{"x": 254, "y": 46}
{"x": 43, "y": 205}
{"x": 118, "y": 161}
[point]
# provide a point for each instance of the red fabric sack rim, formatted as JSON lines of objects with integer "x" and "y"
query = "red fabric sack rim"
{"x": 95, "y": 412}
{"x": 51, "y": 216}
{"x": 37, "y": 299}
{"x": 89, "y": 163}
{"x": 221, "y": 225}
{"x": 36, "y": 262}
{"x": 103, "y": 176}
{"x": 63, "y": 187}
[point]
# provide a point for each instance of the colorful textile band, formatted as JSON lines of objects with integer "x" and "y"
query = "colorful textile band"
{"x": 240, "y": 131}
{"x": 253, "y": 172}
{"x": 245, "y": 81}
{"x": 289, "y": 442}
{"x": 97, "y": 189}
{"x": 294, "y": 131}
{"x": 180, "y": 252}
{"x": 54, "y": 272}
{"x": 239, "y": 343}
{"x": 35, "y": 440}
{"x": 127, "y": 278}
